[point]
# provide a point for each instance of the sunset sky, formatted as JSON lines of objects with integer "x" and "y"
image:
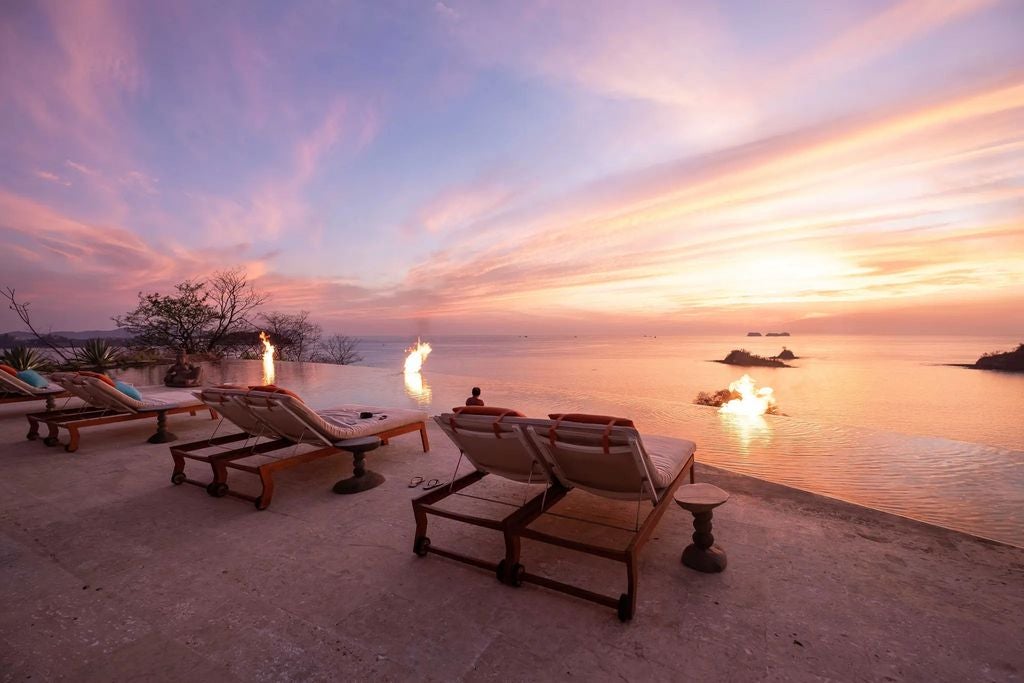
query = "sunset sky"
{"x": 521, "y": 167}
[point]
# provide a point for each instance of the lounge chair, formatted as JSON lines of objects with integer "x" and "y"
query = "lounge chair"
{"x": 88, "y": 408}
{"x": 290, "y": 424}
{"x": 491, "y": 440}
{"x": 114, "y": 406}
{"x": 14, "y": 390}
{"x": 606, "y": 457}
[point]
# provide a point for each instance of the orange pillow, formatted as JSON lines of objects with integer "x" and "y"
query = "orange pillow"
{"x": 584, "y": 418}
{"x": 98, "y": 375}
{"x": 486, "y": 410}
{"x": 9, "y": 370}
{"x": 274, "y": 389}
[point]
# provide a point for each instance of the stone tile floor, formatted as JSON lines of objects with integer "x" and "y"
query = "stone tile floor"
{"x": 108, "y": 572}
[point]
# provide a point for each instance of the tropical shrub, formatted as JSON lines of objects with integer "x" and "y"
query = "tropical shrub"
{"x": 98, "y": 353}
{"x": 25, "y": 358}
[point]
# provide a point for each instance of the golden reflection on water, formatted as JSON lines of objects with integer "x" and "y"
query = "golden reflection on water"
{"x": 418, "y": 388}
{"x": 747, "y": 431}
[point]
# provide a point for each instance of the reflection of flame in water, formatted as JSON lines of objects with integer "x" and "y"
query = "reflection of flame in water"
{"x": 415, "y": 386}
{"x": 752, "y": 401}
{"x": 749, "y": 430}
{"x": 417, "y": 354}
{"x": 268, "y": 358}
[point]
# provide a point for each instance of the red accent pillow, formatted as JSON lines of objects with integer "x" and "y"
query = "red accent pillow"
{"x": 584, "y": 418}
{"x": 9, "y": 370}
{"x": 493, "y": 411}
{"x": 98, "y": 375}
{"x": 274, "y": 389}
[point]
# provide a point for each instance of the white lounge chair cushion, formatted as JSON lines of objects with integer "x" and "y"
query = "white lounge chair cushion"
{"x": 110, "y": 397}
{"x": 10, "y": 383}
{"x": 668, "y": 455}
{"x": 346, "y": 421}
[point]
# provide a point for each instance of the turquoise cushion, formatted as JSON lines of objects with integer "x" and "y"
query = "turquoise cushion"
{"x": 34, "y": 378}
{"x": 128, "y": 390}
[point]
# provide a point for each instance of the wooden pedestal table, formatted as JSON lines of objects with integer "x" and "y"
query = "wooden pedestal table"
{"x": 361, "y": 479}
{"x": 701, "y": 499}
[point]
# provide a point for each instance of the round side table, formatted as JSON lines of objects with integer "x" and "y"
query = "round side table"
{"x": 701, "y": 499}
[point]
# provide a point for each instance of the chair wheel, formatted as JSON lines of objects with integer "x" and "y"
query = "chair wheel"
{"x": 178, "y": 478}
{"x": 32, "y": 436}
{"x": 51, "y": 441}
{"x": 625, "y": 607}
{"x": 420, "y": 546}
{"x": 217, "y": 490}
{"x": 516, "y": 576}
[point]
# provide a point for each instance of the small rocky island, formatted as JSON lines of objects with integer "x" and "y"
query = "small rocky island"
{"x": 1009, "y": 361}
{"x": 786, "y": 354}
{"x": 776, "y": 334}
{"x": 747, "y": 359}
{"x": 753, "y": 334}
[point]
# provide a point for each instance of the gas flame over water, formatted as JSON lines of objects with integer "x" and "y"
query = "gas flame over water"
{"x": 752, "y": 401}
{"x": 417, "y": 354}
{"x": 268, "y": 358}
{"x": 415, "y": 386}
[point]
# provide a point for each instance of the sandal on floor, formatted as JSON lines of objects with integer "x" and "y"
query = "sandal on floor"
{"x": 433, "y": 484}
{"x": 415, "y": 481}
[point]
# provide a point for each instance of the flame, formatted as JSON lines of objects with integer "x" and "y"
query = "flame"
{"x": 268, "y": 358}
{"x": 415, "y": 386}
{"x": 752, "y": 401}
{"x": 417, "y": 354}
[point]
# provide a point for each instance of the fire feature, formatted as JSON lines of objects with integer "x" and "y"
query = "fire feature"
{"x": 415, "y": 386}
{"x": 417, "y": 355}
{"x": 752, "y": 401}
{"x": 268, "y": 358}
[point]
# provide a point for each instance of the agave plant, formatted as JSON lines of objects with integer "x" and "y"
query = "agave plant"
{"x": 25, "y": 358}
{"x": 98, "y": 353}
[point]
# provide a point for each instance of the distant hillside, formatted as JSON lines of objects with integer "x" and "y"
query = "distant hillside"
{"x": 85, "y": 334}
{"x": 1011, "y": 361}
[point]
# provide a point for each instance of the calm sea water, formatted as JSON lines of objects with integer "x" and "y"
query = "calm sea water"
{"x": 879, "y": 421}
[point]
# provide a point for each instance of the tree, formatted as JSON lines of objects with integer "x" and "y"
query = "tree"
{"x": 294, "y": 336}
{"x": 21, "y": 309}
{"x": 173, "y": 321}
{"x": 340, "y": 350}
{"x": 204, "y": 315}
{"x": 231, "y": 293}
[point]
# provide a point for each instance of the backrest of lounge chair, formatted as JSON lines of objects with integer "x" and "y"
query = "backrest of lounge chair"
{"x": 106, "y": 396}
{"x": 14, "y": 385}
{"x": 496, "y": 445}
{"x": 227, "y": 404}
{"x": 290, "y": 417}
{"x": 579, "y": 455}
{"x": 66, "y": 380}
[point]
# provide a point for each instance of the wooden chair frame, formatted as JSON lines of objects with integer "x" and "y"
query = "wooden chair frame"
{"x": 74, "y": 423}
{"x": 50, "y": 398}
{"x": 221, "y": 461}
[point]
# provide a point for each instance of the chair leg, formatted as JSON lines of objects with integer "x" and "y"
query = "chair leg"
{"x": 72, "y": 440}
{"x": 33, "y": 429}
{"x": 162, "y": 435}
{"x": 50, "y": 403}
{"x": 267, "y": 479}
{"x": 627, "y": 611}
{"x": 423, "y": 437}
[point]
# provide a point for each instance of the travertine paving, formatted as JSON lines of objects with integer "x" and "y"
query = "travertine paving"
{"x": 108, "y": 572}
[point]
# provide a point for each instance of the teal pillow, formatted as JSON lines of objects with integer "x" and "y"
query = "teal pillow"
{"x": 128, "y": 390}
{"x": 34, "y": 378}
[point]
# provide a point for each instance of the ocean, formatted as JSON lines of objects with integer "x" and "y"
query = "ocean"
{"x": 884, "y": 422}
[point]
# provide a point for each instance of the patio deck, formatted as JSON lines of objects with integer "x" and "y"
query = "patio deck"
{"x": 108, "y": 572}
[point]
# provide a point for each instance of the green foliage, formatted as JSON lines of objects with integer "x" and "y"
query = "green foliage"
{"x": 200, "y": 316}
{"x": 98, "y": 353}
{"x": 24, "y": 358}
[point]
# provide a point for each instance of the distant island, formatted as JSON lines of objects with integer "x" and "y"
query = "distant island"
{"x": 746, "y": 359}
{"x": 786, "y": 354}
{"x": 753, "y": 334}
{"x": 776, "y": 334}
{"x": 1009, "y": 361}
